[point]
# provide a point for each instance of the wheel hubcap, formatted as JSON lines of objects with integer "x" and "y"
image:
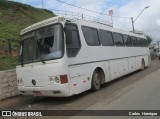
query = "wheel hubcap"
{"x": 97, "y": 79}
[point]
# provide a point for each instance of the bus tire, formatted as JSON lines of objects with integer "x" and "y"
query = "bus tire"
{"x": 142, "y": 65}
{"x": 96, "y": 80}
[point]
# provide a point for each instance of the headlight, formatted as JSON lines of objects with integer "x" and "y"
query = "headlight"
{"x": 51, "y": 80}
{"x": 57, "y": 79}
{"x": 54, "y": 80}
{"x": 19, "y": 81}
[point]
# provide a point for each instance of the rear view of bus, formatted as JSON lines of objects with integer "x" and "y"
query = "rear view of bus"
{"x": 42, "y": 69}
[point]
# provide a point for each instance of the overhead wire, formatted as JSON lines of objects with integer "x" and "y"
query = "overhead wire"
{"x": 90, "y": 10}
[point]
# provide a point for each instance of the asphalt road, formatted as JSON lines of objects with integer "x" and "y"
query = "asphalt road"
{"x": 137, "y": 91}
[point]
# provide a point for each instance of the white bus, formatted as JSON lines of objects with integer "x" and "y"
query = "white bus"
{"x": 62, "y": 56}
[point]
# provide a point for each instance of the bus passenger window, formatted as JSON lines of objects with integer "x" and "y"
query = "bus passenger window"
{"x": 72, "y": 40}
{"x": 91, "y": 36}
{"x": 106, "y": 38}
{"x": 135, "y": 42}
{"x": 145, "y": 42}
{"x": 127, "y": 40}
{"x": 140, "y": 41}
{"x": 118, "y": 39}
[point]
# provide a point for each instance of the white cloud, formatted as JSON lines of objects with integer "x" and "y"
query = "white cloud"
{"x": 149, "y": 20}
{"x": 158, "y": 22}
{"x": 95, "y": 5}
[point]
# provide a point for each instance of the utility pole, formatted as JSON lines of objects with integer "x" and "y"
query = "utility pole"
{"x": 111, "y": 14}
{"x": 132, "y": 24}
{"x": 82, "y": 16}
{"x": 133, "y": 21}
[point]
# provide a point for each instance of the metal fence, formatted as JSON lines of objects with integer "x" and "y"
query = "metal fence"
{"x": 83, "y": 16}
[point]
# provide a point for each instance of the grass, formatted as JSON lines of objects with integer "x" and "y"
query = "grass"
{"x": 14, "y": 17}
{"x": 8, "y": 62}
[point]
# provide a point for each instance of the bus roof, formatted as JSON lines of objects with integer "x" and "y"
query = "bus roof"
{"x": 82, "y": 21}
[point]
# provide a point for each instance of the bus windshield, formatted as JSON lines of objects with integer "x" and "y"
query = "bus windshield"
{"x": 42, "y": 44}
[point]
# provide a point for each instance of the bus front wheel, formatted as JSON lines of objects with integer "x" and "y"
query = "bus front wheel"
{"x": 96, "y": 80}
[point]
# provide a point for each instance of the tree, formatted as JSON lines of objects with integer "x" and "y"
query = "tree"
{"x": 149, "y": 39}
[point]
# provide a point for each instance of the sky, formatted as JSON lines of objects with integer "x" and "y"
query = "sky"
{"x": 148, "y": 21}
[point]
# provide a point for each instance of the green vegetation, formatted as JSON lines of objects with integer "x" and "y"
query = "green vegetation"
{"x": 8, "y": 62}
{"x": 149, "y": 39}
{"x": 14, "y": 17}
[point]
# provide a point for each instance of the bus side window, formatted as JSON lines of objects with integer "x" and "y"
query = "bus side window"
{"x": 135, "y": 42}
{"x": 145, "y": 43}
{"x": 142, "y": 44}
{"x": 106, "y": 38}
{"x": 118, "y": 39}
{"x": 72, "y": 40}
{"x": 91, "y": 36}
{"x": 127, "y": 40}
{"x": 139, "y": 42}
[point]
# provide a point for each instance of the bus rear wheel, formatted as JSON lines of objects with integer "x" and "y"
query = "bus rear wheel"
{"x": 142, "y": 65}
{"x": 96, "y": 80}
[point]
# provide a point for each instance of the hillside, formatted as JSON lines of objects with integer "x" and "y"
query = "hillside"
{"x": 14, "y": 17}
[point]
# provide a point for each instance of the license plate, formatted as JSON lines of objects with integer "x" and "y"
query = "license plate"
{"x": 37, "y": 93}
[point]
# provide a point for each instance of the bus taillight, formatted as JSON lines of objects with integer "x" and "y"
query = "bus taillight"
{"x": 64, "y": 79}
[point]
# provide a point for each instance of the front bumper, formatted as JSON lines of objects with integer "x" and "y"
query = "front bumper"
{"x": 57, "y": 90}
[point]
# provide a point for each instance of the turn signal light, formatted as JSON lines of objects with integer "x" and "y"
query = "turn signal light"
{"x": 64, "y": 79}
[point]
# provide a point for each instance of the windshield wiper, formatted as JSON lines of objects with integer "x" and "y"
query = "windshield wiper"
{"x": 21, "y": 53}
